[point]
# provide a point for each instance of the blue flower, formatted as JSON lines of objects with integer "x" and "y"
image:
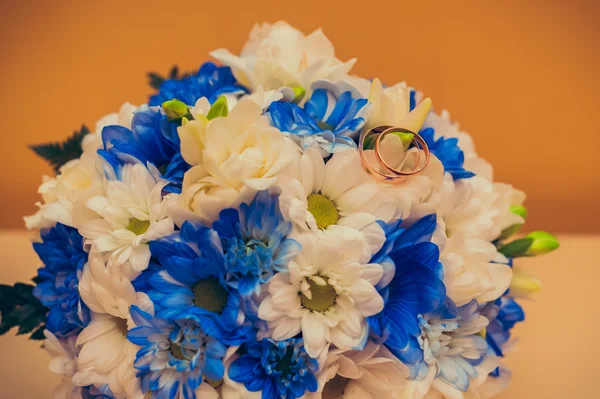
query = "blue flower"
{"x": 255, "y": 243}
{"x": 416, "y": 287}
{"x": 210, "y": 81}
{"x": 175, "y": 355}
{"x": 192, "y": 282}
{"x": 152, "y": 138}
{"x": 331, "y": 121}
{"x": 445, "y": 149}
{"x": 63, "y": 255}
{"x": 503, "y": 314}
{"x": 280, "y": 369}
{"x": 92, "y": 392}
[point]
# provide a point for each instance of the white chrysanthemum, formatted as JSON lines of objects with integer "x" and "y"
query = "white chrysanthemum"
{"x": 326, "y": 295}
{"x": 131, "y": 216}
{"x": 239, "y": 155}
{"x": 106, "y": 355}
{"x": 278, "y": 55}
{"x": 64, "y": 363}
{"x": 474, "y": 269}
{"x": 373, "y": 373}
{"x": 477, "y": 208}
{"x": 330, "y": 197}
{"x": 65, "y": 196}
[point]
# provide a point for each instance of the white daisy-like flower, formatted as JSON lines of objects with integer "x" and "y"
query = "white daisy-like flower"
{"x": 477, "y": 208}
{"x": 373, "y": 373}
{"x": 474, "y": 269}
{"x": 106, "y": 355}
{"x": 65, "y": 196}
{"x": 131, "y": 216}
{"x": 279, "y": 55}
{"x": 329, "y": 198}
{"x": 239, "y": 155}
{"x": 64, "y": 363}
{"x": 326, "y": 295}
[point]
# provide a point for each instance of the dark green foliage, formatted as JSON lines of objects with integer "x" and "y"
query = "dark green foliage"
{"x": 19, "y": 308}
{"x": 516, "y": 248}
{"x": 58, "y": 154}
{"x": 155, "y": 80}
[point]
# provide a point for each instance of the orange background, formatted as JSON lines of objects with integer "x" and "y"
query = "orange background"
{"x": 520, "y": 76}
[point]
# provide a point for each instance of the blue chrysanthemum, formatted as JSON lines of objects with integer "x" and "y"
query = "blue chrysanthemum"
{"x": 152, "y": 138}
{"x": 92, "y": 392}
{"x": 280, "y": 369}
{"x": 192, "y": 282}
{"x": 63, "y": 255}
{"x": 445, "y": 149}
{"x": 503, "y": 314}
{"x": 175, "y": 355}
{"x": 416, "y": 287}
{"x": 330, "y": 121}
{"x": 255, "y": 243}
{"x": 210, "y": 81}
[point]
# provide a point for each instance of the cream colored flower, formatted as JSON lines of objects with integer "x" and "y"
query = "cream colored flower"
{"x": 239, "y": 155}
{"x": 64, "y": 363}
{"x": 279, "y": 55}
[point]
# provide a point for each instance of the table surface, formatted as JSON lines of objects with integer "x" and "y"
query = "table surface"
{"x": 556, "y": 357}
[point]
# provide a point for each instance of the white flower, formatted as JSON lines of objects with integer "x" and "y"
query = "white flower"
{"x": 240, "y": 155}
{"x": 474, "y": 269}
{"x": 335, "y": 196}
{"x": 373, "y": 373}
{"x": 106, "y": 355}
{"x": 66, "y": 195}
{"x": 326, "y": 295}
{"x": 477, "y": 208}
{"x": 278, "y": 55}
{"x": 132, "y": 215}
{"x": 64, "y": 363}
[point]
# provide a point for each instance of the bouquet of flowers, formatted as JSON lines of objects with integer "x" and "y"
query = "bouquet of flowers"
{"x": 275, "y": 227}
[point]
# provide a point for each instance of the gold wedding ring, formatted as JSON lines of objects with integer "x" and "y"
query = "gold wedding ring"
{"x": 391, "y": 175}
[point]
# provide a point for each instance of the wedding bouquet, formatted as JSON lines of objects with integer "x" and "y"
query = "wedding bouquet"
{"x": 275, "y": 227}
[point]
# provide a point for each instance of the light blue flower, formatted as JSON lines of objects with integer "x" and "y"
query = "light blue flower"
{"x": 151, "y": 139}
{"x": 412, "y": 286}
{"x": 63, "y": 255}
{"x": 329, "y": 120}
{"x": 175, "y": 355}
{"x": 210, "y": 81}
{"x": 190, "y": 279}
{"x": 280, "y": 369}
{"x": 255, "y": 244}
{"x": 445, "y": 149}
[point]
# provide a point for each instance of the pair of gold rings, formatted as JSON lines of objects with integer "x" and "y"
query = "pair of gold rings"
{"x": 390, "y": 175}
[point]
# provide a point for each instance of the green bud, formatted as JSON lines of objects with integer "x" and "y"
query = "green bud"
{"x": 219, "y": 108}
{"x": 405, "y": 138}
{"x": 543, "y": 243}
{"x": 516, "y": 248}
{"x": 175, "y": 110}
{"x": 519, "y": 210}
{"x": 299, "y": 93}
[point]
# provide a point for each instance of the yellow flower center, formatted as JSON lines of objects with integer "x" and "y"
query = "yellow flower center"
{"x": 177, "y": 352}
{"x": 138, "y": 226}
{"x": 323, "y": 209}
{"x": 209, "y": 294}
{"x": 322, "y": 296}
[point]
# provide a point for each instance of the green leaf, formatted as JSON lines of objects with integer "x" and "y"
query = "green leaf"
{"x": 155, "y": 80}
{"x": 59, "y": 153}
{"x": 516, "y": 248}
{"x": 219, "y": 108}
{"x": 39, "y": 333}
{"x": 19, "y": 308}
